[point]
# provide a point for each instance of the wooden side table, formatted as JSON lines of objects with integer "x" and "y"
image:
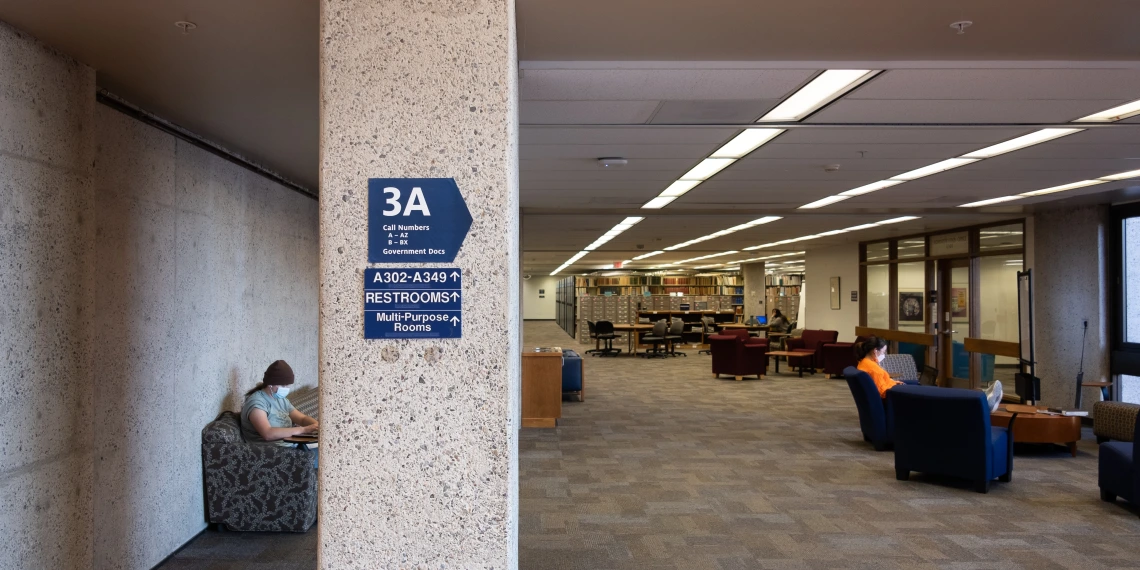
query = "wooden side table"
{"x": 1041, "y": 428}
{"x": 541, "y": 388}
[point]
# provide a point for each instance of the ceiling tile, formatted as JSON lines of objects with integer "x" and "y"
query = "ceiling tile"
{"x": 646, "y": 84}
{"x": 585, "y": 112}
{"x": 710, "y": 112}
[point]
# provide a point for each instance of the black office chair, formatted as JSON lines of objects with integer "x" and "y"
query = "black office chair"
{"x": 606, "y": 334}
{"x": 676, "y": 334}
{"x": 594, "y": 335}
{"x": 656, "y": 338}
{"x": 708, "y": 327}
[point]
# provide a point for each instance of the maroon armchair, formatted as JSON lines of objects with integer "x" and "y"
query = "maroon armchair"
{"x": 839, "y": 355}
{"x": 736, "y": 354}
{"x": 812, "y": 341}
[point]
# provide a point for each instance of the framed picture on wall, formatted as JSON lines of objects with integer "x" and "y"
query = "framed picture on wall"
{"x": 910, "y": 306}
{"x": 958, "y": 302}
{"x": 835, "y": 293}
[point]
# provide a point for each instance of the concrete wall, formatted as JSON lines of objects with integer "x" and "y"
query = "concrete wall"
{"x": 419, "y": 437}
{"x": 202, "y": 273}
{"x": 46, "y": 456}
{"x": 535, "y": 307}
{"x": 754, "y": 299}
{"x": 1070, "y": 284}
{"x": 820, "y": 266}
{"x": 144, "y": 284}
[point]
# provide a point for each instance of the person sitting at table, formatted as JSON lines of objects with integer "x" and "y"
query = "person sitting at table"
{"x": 778, "y": 323}
{"x": 268, "y": 416}
{"x": 873, "y": 350}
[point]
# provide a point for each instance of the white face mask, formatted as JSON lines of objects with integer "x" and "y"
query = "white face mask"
{"x": 282, "y": 392}
{"x": 880, "y": 355}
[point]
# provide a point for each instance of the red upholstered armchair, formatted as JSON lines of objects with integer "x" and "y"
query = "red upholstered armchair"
{"x": 812, "y": 341}
{"x": 736, "y": 354}
{"x": 839, "y": 355}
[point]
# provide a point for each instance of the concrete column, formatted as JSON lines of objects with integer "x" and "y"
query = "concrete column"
{"x": 419, "y": 454}
{"x": 1070, "y": 284}
{"x": 754, "y": 300}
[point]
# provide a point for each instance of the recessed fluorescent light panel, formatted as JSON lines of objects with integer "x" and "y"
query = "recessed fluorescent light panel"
{"x": 614, "y": 232}
{"x": 707, "y": 168}
{"x": 991, "y": 201}
{"x": 747, "y": 141}
{"x": 679, "y": 188}
{"x": 868, "y": 188}
{"x": 658, "y": 202}
{"x": 1063, "y": 187}
{"x": 1036, "y": 137}
{"x": 935, "y": 168}
{"x": 825, "y": 88}
{"x": 734, "y": 229}
{"x": 823, "y": 202}
{"x": 647, "y": 255}
{"x": 1122, "y": 175}
{"x": 851, "y": 229}
{"x": 712, "y": 255}
{"x": 569, "y": 262}
{"x": 1114, "y": 114}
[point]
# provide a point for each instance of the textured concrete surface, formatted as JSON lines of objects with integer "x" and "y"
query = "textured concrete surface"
{"x": 202, "y": 274}
{"x": 755, "y": 302}
{"x": 418, "y": 443}
{"x": 1070, "y": 283}
{"x": 144, "y": 285}
{"x": 46, "y": 151}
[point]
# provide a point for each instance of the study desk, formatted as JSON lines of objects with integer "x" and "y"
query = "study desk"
{"x": 632, "y": 330}
{"x": 541, "y": 388}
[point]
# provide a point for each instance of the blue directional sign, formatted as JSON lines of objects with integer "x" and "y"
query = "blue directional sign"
{"x": 415, "y": 220}
{"x": 408, "y": 302}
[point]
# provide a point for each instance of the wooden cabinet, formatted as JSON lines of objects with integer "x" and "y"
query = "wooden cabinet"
{"x": 541, "y": 388}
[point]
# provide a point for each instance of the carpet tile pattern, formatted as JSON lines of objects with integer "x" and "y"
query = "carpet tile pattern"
{"x": 665, "y": 467}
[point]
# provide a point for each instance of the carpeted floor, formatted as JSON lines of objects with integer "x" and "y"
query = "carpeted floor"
{"x": 665, "y": 467}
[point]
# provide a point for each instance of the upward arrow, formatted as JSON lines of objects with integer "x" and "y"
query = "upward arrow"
{"x": 454, "y": 321}
{"x": 454, "y": 275}
{"x": 455, "y": 296}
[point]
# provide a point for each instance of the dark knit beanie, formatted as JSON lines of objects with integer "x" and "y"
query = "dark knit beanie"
{"x": 278, "y": 374}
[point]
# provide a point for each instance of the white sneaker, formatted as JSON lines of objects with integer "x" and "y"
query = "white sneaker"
{"x": 993, "y": 395}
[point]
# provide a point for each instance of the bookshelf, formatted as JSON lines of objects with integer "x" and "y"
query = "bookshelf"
{"x": 782, "y": 291}
{"x": 625, "y": 298}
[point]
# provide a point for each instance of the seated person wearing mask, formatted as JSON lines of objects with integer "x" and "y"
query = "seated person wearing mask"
{"x": 268, "y": 416}
{"x": 873, "y": 350}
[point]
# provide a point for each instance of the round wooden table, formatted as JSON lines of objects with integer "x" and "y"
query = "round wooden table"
{"x": 1041, "y": 428}
{"x": 302, "y": 440}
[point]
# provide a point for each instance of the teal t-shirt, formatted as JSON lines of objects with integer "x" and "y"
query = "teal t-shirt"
{"x": 278, "y": 410}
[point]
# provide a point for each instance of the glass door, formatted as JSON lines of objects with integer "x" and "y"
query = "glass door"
{"x": 954, "y": 320}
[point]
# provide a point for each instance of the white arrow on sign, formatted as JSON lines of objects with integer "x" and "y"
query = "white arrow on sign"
{"x": 455, "y": 276}
{"x": 455, "y": 296}
{"x": 454, "y": 321}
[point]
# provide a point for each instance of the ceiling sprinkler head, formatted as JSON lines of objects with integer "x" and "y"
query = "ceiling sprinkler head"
{"x": 831, "y": 168}
{"x": 185, "y": 26}
{"x": 961, "y": 26}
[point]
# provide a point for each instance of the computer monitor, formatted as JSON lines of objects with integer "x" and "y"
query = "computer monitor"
{"x": 761, "y": 320}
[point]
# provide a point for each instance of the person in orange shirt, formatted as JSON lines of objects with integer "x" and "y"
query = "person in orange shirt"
{"x": 873, "y": 350}
{"x": 870, "y": 353}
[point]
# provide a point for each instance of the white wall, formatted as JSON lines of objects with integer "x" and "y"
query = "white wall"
{"x": 535, "y": 308}
{"x": 821, "y": 266}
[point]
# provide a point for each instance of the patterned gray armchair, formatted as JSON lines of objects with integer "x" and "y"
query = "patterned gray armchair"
{"x": 256, "y": 486}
